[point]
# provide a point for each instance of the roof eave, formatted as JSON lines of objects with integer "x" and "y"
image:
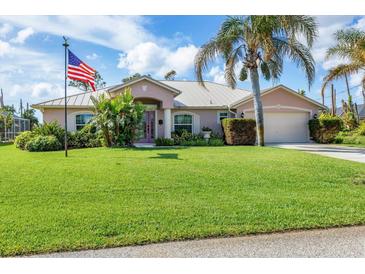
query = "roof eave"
{"x": 250, "y": 97}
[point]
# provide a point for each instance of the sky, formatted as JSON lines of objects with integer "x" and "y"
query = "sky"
{"x": 32, "y": 56}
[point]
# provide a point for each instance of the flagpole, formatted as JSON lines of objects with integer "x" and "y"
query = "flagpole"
{"x": 65, "y": 44}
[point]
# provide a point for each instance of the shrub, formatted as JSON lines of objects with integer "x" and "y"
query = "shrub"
{"x": 43, "y": 143}
{"x": 82, "y": 139}
{"x": 325, "y": 129}
{"x": 164, "y": 142}
{"x": 238, "y": 131}
{"x": 216, "y": 142}
{"x": 198, "y": 142}
{"x": 349, "y": 120}
{"x": 22, "y": 139}
{"x": 361, "y": 129}
{"x": 183, "y": 136}
{"x": 53, "y": 129}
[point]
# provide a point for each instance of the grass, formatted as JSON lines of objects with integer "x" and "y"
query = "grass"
{"x": 112, "y": 197}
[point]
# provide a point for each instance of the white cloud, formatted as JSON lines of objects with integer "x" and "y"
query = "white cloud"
{"x": 92, "y": 56}
{"x": 22, "y": 35}
{"x": 217, "y": 75}
{"x": 44, "y": 89}
{"x": 5, "y": 29}
{"x": 355, "y": 79}
{"x": 4, "y": 48}
{"x": 150, "y": 58}
{"x": 116, "y": 32}
{"x": 328, "y": 25}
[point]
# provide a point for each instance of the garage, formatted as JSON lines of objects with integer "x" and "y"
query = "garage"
{"x": 286, "y": 114}
{"x": 285, "y": 127}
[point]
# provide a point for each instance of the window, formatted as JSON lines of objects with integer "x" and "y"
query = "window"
{"x": 183, "y": 121}
{"x": 221, "y": 115}
{"x": 82, "y": 120}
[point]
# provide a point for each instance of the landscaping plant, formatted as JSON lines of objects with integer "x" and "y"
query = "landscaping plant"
{"x": 325, "y": 128}
{"x": 118, "y": 118}
{"x": 43, "y": 143}
{"x": 239, "y": 131}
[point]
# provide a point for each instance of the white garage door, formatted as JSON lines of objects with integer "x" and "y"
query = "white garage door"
{"x": 285, "y": 127}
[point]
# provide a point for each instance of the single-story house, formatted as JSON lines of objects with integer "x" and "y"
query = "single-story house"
{"x": 173, "y": 105}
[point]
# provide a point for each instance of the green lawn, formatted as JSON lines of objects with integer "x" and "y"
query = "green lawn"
{"x": 111, "y": 197}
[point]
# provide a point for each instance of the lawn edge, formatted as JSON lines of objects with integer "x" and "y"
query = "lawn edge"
{"x": 222, "y": 236}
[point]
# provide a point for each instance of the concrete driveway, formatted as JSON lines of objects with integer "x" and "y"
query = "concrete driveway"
{"x": 335, "y": 151}
{"x": 334, "y": 242}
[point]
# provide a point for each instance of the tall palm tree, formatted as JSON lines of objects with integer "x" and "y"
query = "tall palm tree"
{"x": 260, "y": 43}
{"x": 350, "y": 47}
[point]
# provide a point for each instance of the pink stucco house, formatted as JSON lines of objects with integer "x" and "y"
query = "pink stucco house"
{"x": 172, "y": 105}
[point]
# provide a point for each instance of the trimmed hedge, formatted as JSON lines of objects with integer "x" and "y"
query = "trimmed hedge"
{"x": 325, "y": 129}
{"x": 162, "y": 142}
{"x": 239, "y": 131}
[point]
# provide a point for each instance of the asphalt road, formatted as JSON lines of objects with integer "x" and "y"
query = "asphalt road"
{"x": 335, "y": 242}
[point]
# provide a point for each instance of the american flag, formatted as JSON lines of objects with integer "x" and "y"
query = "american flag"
{"x": 80, "y": 71}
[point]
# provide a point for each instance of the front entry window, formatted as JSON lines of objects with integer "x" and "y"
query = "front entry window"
{"x": 82, "y": 120}
{"x": 184, "y": 121}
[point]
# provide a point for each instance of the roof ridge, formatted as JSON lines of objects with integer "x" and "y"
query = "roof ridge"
{"x": 205, "y": 81}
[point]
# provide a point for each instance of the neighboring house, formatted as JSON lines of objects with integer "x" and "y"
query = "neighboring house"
{"x": 360, "y": 110}
{"x": 173, "y": 105}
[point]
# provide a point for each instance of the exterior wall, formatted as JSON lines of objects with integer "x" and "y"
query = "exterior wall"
{"x": 146, "y": 89}
{"x": 160, "y": 128}
{"x": 278, "y": 100}
{"x": 201, "y": 118}
{"x": 52, "y": 114}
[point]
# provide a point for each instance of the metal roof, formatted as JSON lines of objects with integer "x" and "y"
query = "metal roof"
{"x": 189, "y": 94}
{"x": 78, "y": 100}
{"x": 192, "y": 94}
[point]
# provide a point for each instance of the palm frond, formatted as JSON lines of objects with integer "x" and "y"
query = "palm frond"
{"x": 205, "y": 55}
{"x": 229, "y": 72}
{"x": 350, "y": 45}
{"x": 299, "y": 54}
{"x": 293, "y": 25}
{"x": 339, "y": 72}
{"x": 275, "y": 65}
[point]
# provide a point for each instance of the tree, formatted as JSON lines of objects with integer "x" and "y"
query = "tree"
{"x": 301, "y": 92}
{"x": 6, "y": 119}
{"x": 350, "y": 47}
{"x": 99, "y": 83}
{"x": 259, "y": 43}
{"x": 134, "y": 77}
{"x": 10, "y": 109}
{"x": 170, "y": 75}
{"x": 30, "y": 114}
{"x": 118, "y": 118}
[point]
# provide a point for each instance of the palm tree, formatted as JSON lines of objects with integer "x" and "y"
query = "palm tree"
{"x": 259, "y": 43}
{"x": 351, "y": 48}
{"x": 170, "y": 75}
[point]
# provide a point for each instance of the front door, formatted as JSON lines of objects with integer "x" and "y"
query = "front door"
{"x": 148, "y": 127}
